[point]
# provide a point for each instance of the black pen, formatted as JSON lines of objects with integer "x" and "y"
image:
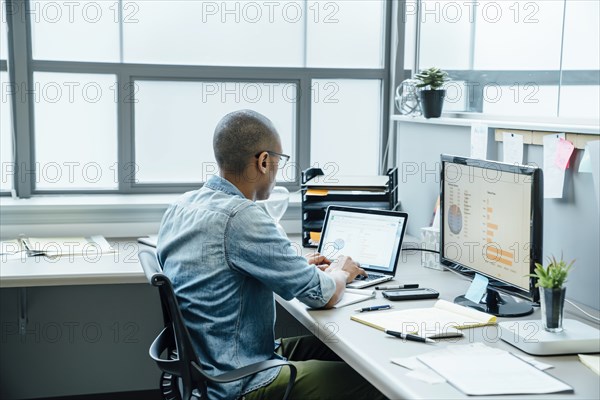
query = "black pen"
{"x": 408, "y": 336}
{"x": 374, "y": 308}
{"x": 407, "y": 286}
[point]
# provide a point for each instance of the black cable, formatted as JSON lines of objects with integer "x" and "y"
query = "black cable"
{"x": 419, "y": 249}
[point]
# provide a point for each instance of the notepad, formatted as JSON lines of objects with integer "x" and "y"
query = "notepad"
{"x": 444, "y": 319}
{"x": 352, "y": 296}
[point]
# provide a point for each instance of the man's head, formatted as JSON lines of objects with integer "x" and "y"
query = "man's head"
{"x": 247, "y": 148}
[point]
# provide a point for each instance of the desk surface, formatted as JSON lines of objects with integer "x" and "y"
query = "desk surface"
{"x": 366, "y": 349}
{"x": 369, "y": 351}
{"x": 120, "y": 267}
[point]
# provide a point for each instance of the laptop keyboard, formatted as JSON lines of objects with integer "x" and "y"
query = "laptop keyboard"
{"x": 371, "y": 277}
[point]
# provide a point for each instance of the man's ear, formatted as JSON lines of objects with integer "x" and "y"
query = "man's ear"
{"x": 262, "y": 162}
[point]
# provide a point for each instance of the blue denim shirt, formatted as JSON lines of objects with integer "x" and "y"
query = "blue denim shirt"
{"x": 225, "y": 258}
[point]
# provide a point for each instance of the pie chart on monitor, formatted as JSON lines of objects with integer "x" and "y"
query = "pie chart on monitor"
{"x": 455, "y": 220}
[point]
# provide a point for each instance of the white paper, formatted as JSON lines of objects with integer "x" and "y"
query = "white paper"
{"x": 586, "y": 164}
{"x": 594, "y": 148}
{"x": 418, "y": 370}
{"x": 352, "y": 296}
{"x": 479, "y": 370}
{"x": 477, "y": 289}
{"x": 426, "y": 375}
{"x": 408, "y": 362}
{"x": 554, "y": 177}
{"x": 513, "y": 148}
{"x": 479, "y": 141}
{"x": 538, "y": 364}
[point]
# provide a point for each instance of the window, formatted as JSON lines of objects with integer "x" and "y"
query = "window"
{"x": 75, "y": 131}
{"x": 174, "y": 122}
{"x": 7, "y": 167}
{"x": 345, "y": 114}
{"x": 517, "y": 58}
{"x": 125, "y": 95}
{"x": 6, "y": 143}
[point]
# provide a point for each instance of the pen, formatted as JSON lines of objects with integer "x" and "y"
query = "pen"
{"x": 407, "y": 286}
{"x": 408, "y": 336}
{"x": 374, "y": 308}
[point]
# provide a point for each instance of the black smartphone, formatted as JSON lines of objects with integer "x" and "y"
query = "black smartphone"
{"x": 411, "y": 294}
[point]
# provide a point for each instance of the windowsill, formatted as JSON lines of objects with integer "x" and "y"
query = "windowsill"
{"x": 465, "y": 120}
{"x": 109, "y": 215}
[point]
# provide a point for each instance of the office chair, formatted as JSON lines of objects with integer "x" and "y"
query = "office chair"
{"x": 182, "y": 374}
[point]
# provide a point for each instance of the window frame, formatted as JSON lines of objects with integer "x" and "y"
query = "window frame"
{"x": 479, "y": 78}
{"x": 21, "y": 67}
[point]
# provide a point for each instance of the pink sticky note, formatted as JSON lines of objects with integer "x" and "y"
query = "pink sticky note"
{"x": 564, "y": 149}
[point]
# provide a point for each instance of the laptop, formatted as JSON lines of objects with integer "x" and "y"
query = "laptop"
{"x": 373, "y": 238}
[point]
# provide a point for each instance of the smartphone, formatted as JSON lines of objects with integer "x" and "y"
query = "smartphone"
{"x": 411, "y": 294}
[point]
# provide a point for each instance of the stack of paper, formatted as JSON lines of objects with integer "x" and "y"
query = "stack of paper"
{"x": 479, "y": 370}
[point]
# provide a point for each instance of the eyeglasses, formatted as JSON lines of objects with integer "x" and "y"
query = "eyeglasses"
{"x": 283, "y": 157}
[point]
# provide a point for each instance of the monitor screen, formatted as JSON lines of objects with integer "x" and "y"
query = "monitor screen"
{"x": 492, "y": 221}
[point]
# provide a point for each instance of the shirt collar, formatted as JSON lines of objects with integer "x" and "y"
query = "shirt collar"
{"x": 218, "y": 183}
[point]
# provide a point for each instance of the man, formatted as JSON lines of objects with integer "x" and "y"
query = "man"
{"x": 226, "y": 258}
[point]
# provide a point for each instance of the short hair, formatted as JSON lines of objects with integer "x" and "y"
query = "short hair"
{"x": 239, "y": 136}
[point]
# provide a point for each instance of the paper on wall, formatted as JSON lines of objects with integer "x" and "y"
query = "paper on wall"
{"x": 479, "y": 141}
{"x": 512, "y": 148}
{"x": 586, "y": 163}
{"x": 594, "y": 149}
{"x": 554, "y": 177}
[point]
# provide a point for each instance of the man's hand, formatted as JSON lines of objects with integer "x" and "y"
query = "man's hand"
{"x": 350, "y": 267}
{"x": 319, "y": 260}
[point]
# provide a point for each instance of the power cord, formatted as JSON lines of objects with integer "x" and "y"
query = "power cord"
{"x": 580, "y": 309}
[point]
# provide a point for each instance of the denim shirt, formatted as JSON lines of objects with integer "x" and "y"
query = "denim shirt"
{"x": 225, "y": 258}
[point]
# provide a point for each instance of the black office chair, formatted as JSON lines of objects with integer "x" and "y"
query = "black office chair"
{"x": 182, "y": 375}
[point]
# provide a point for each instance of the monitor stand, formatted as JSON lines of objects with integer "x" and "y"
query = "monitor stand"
{"x": 497, "y": 304}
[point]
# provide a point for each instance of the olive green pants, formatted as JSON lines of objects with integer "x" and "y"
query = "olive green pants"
{"x": 321, "y": 374}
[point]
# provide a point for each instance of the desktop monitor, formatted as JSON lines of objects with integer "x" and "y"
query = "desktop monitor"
{"x": 491, "y": 224}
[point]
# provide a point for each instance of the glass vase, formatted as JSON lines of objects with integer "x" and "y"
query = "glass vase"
{"x": 552, "y": 302}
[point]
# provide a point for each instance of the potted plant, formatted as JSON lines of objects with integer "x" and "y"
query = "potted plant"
{"x": 431, "y": 95}
{"x": 550, "y": 281}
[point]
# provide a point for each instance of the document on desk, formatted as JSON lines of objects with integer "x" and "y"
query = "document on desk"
{"x": 90, "y": 247}
{"x": 444, "y": 319}
{"x": 479, "y": 370}
{"x": 352, "y": 296}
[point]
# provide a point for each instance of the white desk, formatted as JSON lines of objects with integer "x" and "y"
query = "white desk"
{"x": 120, "y": 267}
{"x": 369, "y": 351}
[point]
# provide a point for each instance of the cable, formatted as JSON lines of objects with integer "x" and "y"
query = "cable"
{"x": 580, "y": 309}
{"x": 420, "y": 249}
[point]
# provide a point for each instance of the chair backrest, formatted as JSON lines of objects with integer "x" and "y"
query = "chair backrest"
{"x": 193, "y": 378}
{"x": 149, "y": 261}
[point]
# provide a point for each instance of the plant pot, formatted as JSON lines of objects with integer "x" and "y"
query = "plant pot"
{"x": 432, "y": 102}
{"x": 552, "y": 303}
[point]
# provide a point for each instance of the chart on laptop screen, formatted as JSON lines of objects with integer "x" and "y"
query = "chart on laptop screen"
{"x": 370, "y": 239}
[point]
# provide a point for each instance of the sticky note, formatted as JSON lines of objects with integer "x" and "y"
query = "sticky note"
{"x": 477, "y": 289}
{"x": 554, "y": 177}
{"x": 564, "y": 149}
{"x": 512, "y": 148}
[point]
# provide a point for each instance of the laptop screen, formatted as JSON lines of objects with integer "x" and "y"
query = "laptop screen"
{"x": 371, "y": 237}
